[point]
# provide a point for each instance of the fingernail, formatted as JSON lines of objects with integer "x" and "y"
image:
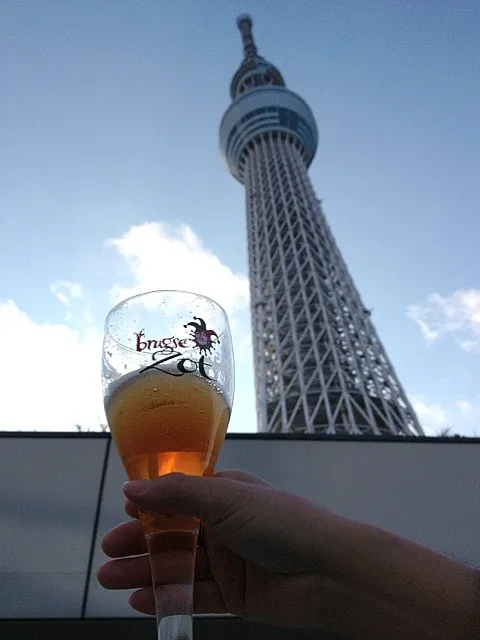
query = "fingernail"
{"x": 134, "y": 487}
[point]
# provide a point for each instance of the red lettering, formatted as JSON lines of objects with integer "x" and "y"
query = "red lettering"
{"x": 165, "y": 343}
{"x": 141, "y": 345}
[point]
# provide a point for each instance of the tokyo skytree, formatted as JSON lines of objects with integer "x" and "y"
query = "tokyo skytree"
{"x": 319, "y": 364}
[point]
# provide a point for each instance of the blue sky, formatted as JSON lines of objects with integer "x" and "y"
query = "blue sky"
{"x": 111, "y": 182}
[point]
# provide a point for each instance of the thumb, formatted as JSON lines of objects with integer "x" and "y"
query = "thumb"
{"x": 271, "y": 528}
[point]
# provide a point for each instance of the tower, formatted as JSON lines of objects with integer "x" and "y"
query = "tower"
{"x": 319, "y": 364}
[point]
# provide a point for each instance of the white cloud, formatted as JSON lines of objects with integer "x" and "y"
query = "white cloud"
{"x": 432, "y": 417}
{"x": 466, "y": 408}
{"x": 470, "y": 409}
{"x": 457, "y": 315}
{"x": 72, "y": 296}
{"x": 50, "y": 374}
{"x": 67, "y": 291}
{"x": 161, "y": 256}
{"x": 460, "y": 416}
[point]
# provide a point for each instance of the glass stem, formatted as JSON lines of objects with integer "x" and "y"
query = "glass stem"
{"x": 172, "y": 559}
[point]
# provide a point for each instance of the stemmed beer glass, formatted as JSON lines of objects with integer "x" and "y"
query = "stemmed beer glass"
{"x": 168, "y": 382}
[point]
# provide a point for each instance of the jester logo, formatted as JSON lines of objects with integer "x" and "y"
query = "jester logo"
{"x": 204, "y": 338}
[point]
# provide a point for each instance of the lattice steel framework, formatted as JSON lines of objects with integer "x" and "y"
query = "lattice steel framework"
{"x": 319, "y": 364}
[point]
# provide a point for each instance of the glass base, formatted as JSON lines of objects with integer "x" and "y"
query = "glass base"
{"x": 175, "y": 628}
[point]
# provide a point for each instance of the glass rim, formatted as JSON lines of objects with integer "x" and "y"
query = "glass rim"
{"x": 146, "y": 293}
{"x": 139, "y": 295}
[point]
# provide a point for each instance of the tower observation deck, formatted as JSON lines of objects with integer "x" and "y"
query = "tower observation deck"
{"x": 319, "y": 364}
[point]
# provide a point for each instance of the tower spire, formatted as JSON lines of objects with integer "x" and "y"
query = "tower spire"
{"x": 244, "y": 24}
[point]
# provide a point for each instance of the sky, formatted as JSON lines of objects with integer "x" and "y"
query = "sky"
{"x": 111, "y": 183}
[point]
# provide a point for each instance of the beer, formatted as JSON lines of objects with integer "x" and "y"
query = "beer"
{"x": 164, "y": 423}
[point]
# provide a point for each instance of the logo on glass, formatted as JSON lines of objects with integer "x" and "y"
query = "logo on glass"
{"x": 202, "y": 337}
{"x": 166, "y": 349}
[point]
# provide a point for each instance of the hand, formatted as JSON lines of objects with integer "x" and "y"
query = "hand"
{"x": 275, "y": 558}
{"x": 260, "y": 555}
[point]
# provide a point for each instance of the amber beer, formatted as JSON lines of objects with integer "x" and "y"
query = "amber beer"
{"x": 162, "y": 423}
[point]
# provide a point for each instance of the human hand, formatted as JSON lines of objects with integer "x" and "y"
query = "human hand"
{"x": 275, "y": 558}
{"x": 260, "y": 555}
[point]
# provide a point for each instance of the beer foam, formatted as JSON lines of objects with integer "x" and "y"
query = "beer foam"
{"x": 113, "y": 386}
{"x": 167, "y": 367}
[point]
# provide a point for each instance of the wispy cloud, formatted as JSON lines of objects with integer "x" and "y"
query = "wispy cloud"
{"x": 465, "y": 407}
{"x": 457, "y": 315}
{"x": 67, "y": 291}
{"x": 470, "y": 408}
{"x": 432, "y": 416}
{"x": 72, "y": 296}
{"x": 460, "y": 416}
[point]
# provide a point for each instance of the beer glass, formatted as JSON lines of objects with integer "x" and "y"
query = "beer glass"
{"x": 168, "y": 381}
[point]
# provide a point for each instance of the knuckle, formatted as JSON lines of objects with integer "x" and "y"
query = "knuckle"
{"x": 175, "y": 485}
{"x": 177, "y": 477}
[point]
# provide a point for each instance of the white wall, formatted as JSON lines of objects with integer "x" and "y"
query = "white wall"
{"x": 428, "y": 491}
{"x": 48, "y": 497}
